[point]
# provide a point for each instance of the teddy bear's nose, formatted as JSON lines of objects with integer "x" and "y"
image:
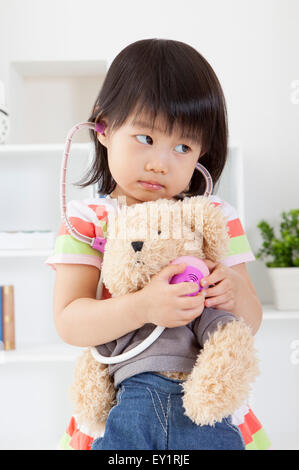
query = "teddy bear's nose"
{"x": 137, "y": 246}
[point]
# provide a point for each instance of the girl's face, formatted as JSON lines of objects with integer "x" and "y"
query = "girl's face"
{"x": 135, "y": 153}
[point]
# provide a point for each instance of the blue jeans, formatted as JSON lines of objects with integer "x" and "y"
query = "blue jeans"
{"x": 149, "y": 415}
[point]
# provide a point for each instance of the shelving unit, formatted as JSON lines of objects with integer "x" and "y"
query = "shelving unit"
{"x": 41, "y": 364}
{"x": 30, "y": 353}
{"x": 271, "y": 313}
{"x": 37, "y": 208}
{"x": 45, "y": 99}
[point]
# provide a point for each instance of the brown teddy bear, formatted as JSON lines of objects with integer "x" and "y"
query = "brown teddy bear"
{"x": 226, "y": 364}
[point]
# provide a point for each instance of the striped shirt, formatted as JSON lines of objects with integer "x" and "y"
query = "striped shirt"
{"x": 90, "y": 218}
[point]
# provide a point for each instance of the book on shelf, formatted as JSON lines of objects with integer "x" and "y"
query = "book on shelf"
{"x": 8, "y": 317}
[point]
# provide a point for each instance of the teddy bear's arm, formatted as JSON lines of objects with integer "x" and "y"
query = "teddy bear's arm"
{"x": 225, "y": 368}
{"x": 206, "y": 324}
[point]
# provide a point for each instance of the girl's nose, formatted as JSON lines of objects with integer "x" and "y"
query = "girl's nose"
{"x": 137, "y": 246}
{"x": 157, "y": 166}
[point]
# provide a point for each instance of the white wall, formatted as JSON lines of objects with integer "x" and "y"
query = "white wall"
{"x": 253, "y": 46}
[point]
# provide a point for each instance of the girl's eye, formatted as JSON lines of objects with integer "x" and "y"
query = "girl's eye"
{"x": 148, "y": 137}
{"x": 186, "y": 147}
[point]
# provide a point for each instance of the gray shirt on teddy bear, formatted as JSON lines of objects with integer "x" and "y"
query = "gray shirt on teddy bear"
{"x": 176, "y": 349}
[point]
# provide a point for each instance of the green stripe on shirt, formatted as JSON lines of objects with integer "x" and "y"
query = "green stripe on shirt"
{"x": 238, "y": 245}
{"x": 260, "y": 441}
{"x": 66, "y": 244}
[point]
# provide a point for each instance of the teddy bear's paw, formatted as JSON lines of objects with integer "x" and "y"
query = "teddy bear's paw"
{"x": 221, "y": 378}
{"x": 199, "y": 405}
{"x": 92, "y": 393}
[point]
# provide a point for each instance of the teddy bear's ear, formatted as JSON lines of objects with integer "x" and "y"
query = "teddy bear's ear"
{"x": 215, "y": 232}
{"x": 209, "y": 226}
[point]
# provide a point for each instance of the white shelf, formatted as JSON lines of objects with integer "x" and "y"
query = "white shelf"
{"x": 24, "y": 253}
{"x": 56, "y": 68}
{"x": 40, "y": 353}
{"x": 271, "y": 313}
{"x": 17, "y": 149}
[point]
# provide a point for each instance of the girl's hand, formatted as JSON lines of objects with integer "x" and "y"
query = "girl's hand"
{"x": 227, "y": 283}
{"x": 167, "y": 304}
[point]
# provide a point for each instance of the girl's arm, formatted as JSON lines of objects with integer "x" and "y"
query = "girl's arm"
{"x": 248, "y": 305}
{"x": 233, "y": 292}
{"x": 80, "y": 318}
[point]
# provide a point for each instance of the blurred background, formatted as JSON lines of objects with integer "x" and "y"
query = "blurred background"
{"x": 53, "y": 58}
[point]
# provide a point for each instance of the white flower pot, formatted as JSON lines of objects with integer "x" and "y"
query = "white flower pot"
{"x": 285, "y": 283}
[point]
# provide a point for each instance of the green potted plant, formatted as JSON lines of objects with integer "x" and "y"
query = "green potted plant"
{"x": 281, "y": 256}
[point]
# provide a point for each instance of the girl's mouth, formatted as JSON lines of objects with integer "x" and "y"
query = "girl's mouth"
{"x": 150, "y": 185}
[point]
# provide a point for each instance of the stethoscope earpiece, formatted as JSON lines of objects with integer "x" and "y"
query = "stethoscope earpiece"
{"x": 100, "y": 127}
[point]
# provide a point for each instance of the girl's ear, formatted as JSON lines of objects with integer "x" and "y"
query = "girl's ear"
{"x": 102, "y": 139}
{"x": 101, "y": 135}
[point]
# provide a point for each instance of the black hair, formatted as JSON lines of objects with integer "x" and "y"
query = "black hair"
{"x": 168, "y": 78}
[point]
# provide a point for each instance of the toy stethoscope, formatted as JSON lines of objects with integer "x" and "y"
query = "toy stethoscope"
{"x": 195, "y": 270}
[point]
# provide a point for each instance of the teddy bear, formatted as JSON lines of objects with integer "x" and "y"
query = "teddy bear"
{"x": 226, "y": 365}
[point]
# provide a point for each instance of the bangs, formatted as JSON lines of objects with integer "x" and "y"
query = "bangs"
{"x": 168, "y": 123}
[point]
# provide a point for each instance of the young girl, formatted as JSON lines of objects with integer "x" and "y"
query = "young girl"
{"x": 162, "y": 110}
